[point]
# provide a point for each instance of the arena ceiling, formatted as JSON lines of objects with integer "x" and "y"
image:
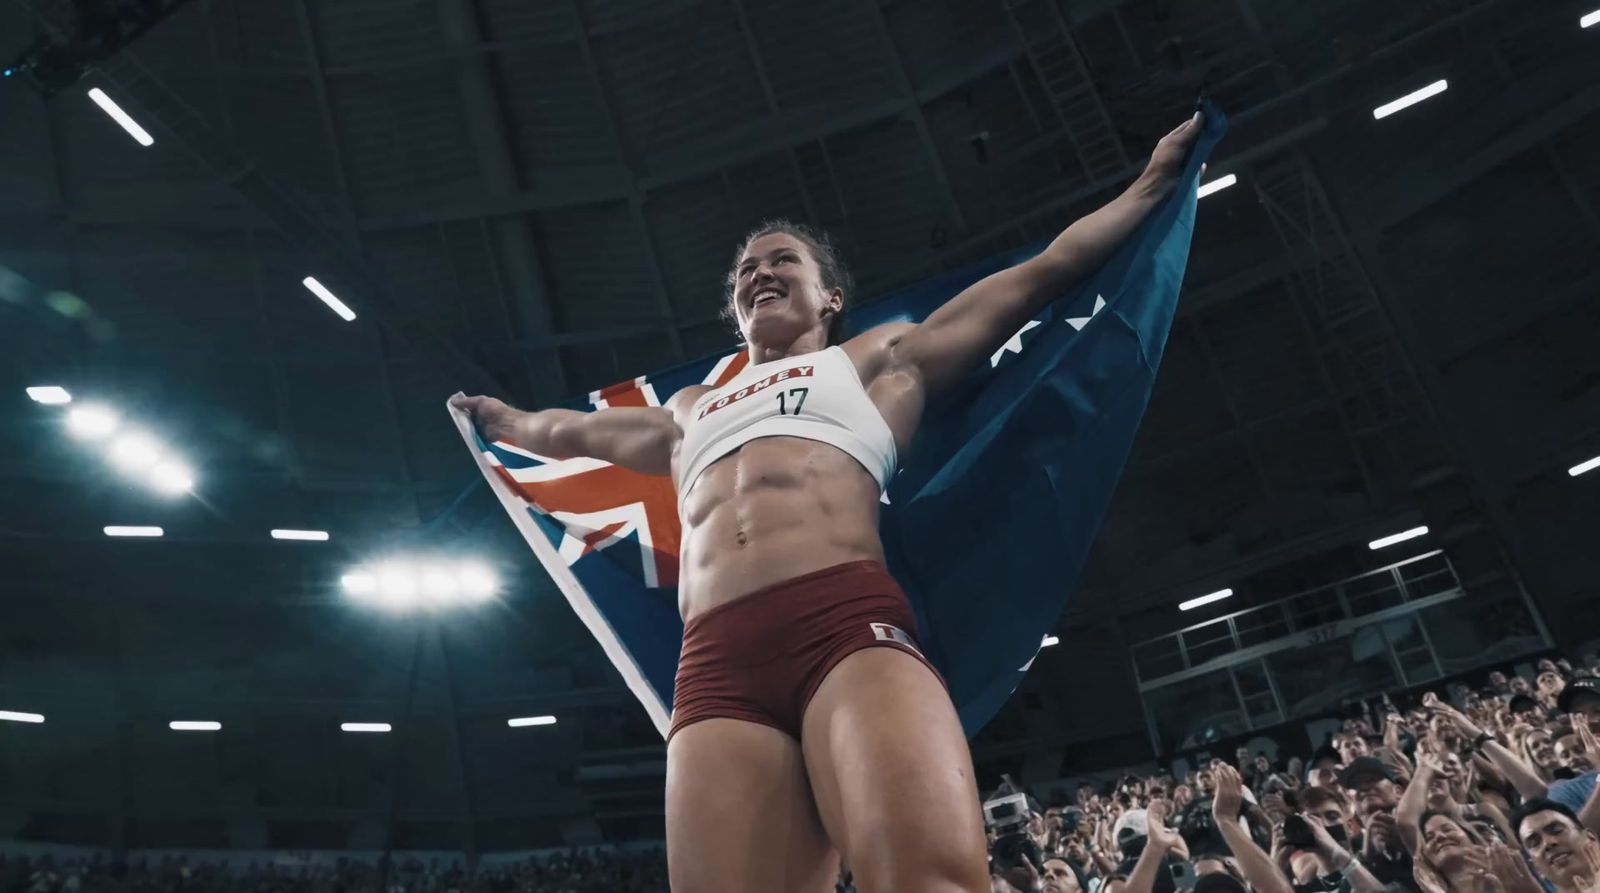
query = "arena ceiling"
{"x": 1384, "y": 321}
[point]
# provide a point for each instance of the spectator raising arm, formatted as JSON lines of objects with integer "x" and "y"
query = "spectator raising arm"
{"x": 1255, "y": 865}
{"x": 1158, "y": 843}
{"x": 1408, "y": 814}
{"x": 1522, "y": 776}
{"x": 1341, "y": 860}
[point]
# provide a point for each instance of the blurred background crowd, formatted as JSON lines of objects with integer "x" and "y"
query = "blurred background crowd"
{"x": 1470, "y": 790}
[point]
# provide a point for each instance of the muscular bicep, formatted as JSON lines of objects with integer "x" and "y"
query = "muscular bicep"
{"x": 640, "y": 438}
{"x": 971, "y": 326}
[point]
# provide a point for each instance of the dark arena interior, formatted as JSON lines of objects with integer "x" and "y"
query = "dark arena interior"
{"x": 266, "y": 627}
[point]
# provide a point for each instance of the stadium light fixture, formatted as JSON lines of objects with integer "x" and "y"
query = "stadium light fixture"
{"x": 1048, "y": 641}
{"x": 403, "y": 584}
{"x": 1400, "y": 537}
{"x": 377, "y": 727}
{"x": 1590, "y": 19}
{"x": 91, "y": 422}
{"x": 135, "y": 452}
{"x": 1216, "y": 185}
{"x": 172, "y": 478}
{"x": 521, "y": 722}
{"x": 115, "y": 530}
{"x": 1207, "y": 599}
{"x": 16, "y": 716}
{"x": 306, "y": 536}
{"x": 1410, "y": 99}
{"x": 110, "y": 107}
{"x": 1581, "y": 467}
{"x": 49, "y": 395}
{"x": 328, "y": 297}
{"x": 191, "y": 725}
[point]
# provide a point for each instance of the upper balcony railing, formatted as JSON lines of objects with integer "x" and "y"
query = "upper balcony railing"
{"x": 1428, "y": 576}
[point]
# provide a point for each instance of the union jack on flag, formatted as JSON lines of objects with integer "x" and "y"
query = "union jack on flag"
{"x": 1032, "y": 447}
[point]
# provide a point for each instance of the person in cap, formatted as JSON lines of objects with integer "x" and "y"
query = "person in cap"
{"x": 1375, "y": 788}
{"x": 1582, "y": 696}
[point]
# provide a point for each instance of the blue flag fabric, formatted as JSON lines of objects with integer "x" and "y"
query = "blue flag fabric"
{"x": 988, "y": 521}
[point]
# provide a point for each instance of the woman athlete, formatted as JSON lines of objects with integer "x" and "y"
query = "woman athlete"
{"x": 806, "y": 724}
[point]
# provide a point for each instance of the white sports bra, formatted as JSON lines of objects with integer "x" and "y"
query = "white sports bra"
{"x": 817, "y": 396}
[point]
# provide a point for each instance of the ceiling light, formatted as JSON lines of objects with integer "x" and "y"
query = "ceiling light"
{"x": 525, "y": 721}
{"x": 365, "y": 727}
{"x": 309, "y": 536}
{"x": 477, "y": 581}
{"x": 321, "y": 291}
{"x": 135, "y": 452}
{"x": 359, "y": 583}
{"x": 1217, "y": 185}
{"x": 1204, "y": 600}
{"x": 185, "y": 725}
{"x": 49, "y": 395}
{"x": 91, "y": 422}
{"x": 134, "y": 531}
{"x": 1581, "y": 467}
{"x": 1048, "y": 641}
{"x": 1589, "y": 19}
{"x": 14, "y": 716}
{"x": 439, "y": 584}
{"x": 121, "y": 117}
{"x": 172, "y": 478}
{"x": 1400, "y": 537}
{"x": 1410, "y": 99}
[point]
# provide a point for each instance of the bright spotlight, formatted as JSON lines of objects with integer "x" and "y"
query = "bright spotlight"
{"x": 49, "y": 395}
{"x": 1193, "y": 603}
{"x": 135, "y": 452}
{"x": 1217, "y": 185}
{"x": 365, "y": 727}
{"x": 172, "y": 478}
{"x": 359, "y": 583}
{"x": 116, "y": 530}
{"x": 439, "y": 584}
{"x": 1585, "y": 466}
{"x": 397, "y": 587}
{"x": 91, "y": 422}
{"x": 328, "y": 297}
{"x": 14, "y": 716}
{"x": 1048, "y": 641}
{"x": 1400, "y": 537}
{"x": 477, "y": 581}
{"x": 1410, "y": 99}
{"x": 307, "y": 536}
{"x": 521, "y": 722}
{"x": 121, "y": 117}
{"x": 186, "y": 725}
{"x": 1590, "y": 19}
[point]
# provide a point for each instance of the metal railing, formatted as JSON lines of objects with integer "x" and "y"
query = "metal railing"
{"x": 1421, "y": 577}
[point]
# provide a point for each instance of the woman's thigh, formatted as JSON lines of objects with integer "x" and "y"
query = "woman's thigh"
{"x": 892, "y": 776}
{"x": 740, "y": 814}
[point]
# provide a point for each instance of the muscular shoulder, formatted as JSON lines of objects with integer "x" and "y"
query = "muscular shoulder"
{"x": 873, "y": 351}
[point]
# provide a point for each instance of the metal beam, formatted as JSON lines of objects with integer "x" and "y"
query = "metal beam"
{"x": 513, "y": 239}
{"x": 771, "y": 98}
{"x": 913, "y": 107}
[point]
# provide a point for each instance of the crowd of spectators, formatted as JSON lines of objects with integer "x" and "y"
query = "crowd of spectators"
{"x": 1470, "y": 790}
{"x": 576, "y": 871}
{"x": 1486, "y": 790}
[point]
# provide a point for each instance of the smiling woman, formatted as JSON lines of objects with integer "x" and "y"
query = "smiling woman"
{"x": 832, "y": 273}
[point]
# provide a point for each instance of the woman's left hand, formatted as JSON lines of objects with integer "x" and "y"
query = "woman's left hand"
{"x": 1511, "y": 870}
{"x": 1166, "y": 162}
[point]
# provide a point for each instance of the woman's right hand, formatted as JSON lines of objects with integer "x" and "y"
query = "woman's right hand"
{"x": 1229, "y": 796}
{"x": 496, "y": 420}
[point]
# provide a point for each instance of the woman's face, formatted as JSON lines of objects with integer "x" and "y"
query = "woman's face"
{"x": 1444, "y": 843}
{"x": 1570, "y": 753}
{"x": 777, "y": 290}
{"x": 1541, "y": 750}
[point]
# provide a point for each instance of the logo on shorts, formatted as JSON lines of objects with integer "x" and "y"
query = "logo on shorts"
{"x": 885, "y": 632}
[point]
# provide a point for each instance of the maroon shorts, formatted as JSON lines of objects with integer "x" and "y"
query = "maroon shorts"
{"x": 761, "y": 657}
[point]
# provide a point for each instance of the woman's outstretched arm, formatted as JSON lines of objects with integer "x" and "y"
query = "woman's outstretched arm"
{"x": 973, "y": 324}
{"x": 638, "y": 438}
